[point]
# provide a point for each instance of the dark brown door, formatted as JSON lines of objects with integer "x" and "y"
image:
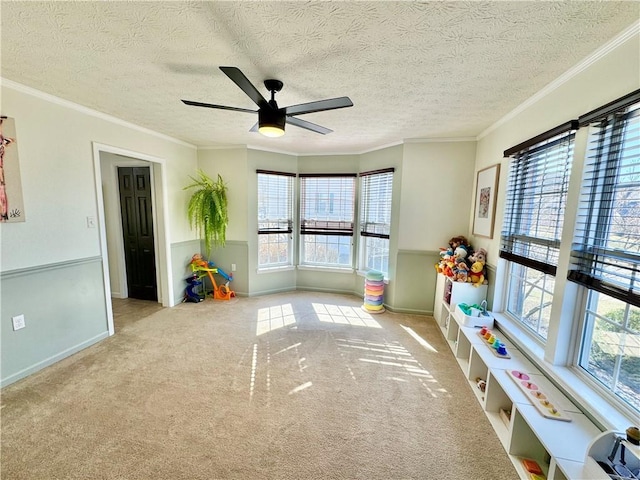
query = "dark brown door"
{"x": 137, "y": 229}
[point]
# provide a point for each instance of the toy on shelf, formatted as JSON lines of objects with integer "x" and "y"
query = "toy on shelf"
{"x": 539, "y": 399}
{"x": 460, "y": 263}
{"x": 201, "y": 268}
{"x": 497, "y": 347}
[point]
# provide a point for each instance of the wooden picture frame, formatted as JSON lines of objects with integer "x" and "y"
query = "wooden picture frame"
{"x": 484, "y": 211}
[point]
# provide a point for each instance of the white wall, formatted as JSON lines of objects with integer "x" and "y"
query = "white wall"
{"x": 231, "y": 165}
{"x": 437, "y": 193}
{"x": 52, "y": 264}
{"x": 54, "y": 142}
{"x": 614, "y": 74}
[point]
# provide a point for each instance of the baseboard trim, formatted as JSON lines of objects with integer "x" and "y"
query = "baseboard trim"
{"x": 409, "y": 311}
{"x": 329, "y": 290}
{"x": 51, "y": 360}
{"x": 269, "y": 292}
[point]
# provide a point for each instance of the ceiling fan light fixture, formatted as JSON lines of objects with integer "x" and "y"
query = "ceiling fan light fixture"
{"x": 271, "y": 122}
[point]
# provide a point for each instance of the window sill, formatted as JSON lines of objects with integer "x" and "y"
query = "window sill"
{"x": 284, "y": 268}
{"x": 570, "y": 380}
{"x": 314, "y": 268}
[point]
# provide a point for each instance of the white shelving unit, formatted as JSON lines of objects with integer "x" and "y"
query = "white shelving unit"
{"x": 559, "y": 447}
{"x": 601, "y": 450}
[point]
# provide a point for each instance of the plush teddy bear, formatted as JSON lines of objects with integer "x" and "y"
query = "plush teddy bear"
{"x": 476, "y": 275}
{"x": 462, "y": 272}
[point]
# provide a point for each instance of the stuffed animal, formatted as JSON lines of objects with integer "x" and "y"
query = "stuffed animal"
{"x": 479, "y": 255}
{"x": 447, "y": 268}
{"x": 461, "y": 253}
{"x": 476, "y": 275}
{"x": 462, "y": 272}
{"x": 455, "y": 242}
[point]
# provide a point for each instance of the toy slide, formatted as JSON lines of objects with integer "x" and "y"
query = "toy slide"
{"x": 227, "y": 276}
{"x": 199, "y": 264}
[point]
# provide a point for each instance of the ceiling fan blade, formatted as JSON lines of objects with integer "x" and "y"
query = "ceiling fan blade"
{"x": 298, "y": 122}
{"x": 319, "y": 106}
{"x": 255, "y": 127}
{"x": 221, "y": 107}
{"x": 245, "y": 85}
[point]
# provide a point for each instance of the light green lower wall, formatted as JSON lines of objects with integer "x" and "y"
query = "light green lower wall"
{"x": 324, "y": 281}
{"x": 415, "y": 282}
{"x": 273, "y": 281}
{"x": 411, "y": 291}
{"x": 181, "y": 253}
{"x": 65, "y": 311}
{"x": 234, "y": 252}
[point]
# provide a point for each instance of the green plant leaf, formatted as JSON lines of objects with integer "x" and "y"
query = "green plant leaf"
{"x": 207, "y": 209}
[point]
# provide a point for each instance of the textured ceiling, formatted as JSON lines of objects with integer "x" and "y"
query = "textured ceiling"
{"x": 412, "y": 69}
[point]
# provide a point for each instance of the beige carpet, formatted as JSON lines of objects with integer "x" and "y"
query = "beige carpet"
{"x": 291, "y": 386}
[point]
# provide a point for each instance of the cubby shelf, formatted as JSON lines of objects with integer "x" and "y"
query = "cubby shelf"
{"x": 559, "y": 447}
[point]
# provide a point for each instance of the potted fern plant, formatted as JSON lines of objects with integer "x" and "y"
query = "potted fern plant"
{"x": 207, "y": 209}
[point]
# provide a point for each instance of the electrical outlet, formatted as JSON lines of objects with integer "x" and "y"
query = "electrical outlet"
{"x": 233, "y": 267}
{"x": 91, "y": 222}
{"x": 18, "y": 322}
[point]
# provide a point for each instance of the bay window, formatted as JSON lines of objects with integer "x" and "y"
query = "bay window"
{"x": 327, "y": 211}
{"x": 375, "y": 219}
{"x": 275, "y": 219}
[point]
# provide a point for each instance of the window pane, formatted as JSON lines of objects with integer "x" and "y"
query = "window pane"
{"x": 611, "y": 350}
{"x": 529, "y": 298}
{"x": 273, "y": 250}
{"x": 327, "y": 208}
{"x": 376, "y": 251}
{"x": 375, "y": 219}
{"x": 326, "y": 250}
{"x": 275, "y": 219}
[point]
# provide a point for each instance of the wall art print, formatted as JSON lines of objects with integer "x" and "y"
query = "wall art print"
{"x": 11, "y": 203}
{"x": 485, "y": 209}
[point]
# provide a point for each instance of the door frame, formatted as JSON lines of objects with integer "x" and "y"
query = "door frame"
{"x": 160, "y": 224}
{"x": 118, "y": 239}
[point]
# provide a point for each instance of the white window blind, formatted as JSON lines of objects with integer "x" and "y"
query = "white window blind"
{"x": 375, "y": 205}
{"x": 275, "y": 202}
{"x": 606, "y": 251}
{"x": 536, "y": 197}
{"x": 275, "y": 218}
{"x": 327, "y": 204}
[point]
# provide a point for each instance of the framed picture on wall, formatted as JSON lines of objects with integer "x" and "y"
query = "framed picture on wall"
{"x": 485, "y": 207}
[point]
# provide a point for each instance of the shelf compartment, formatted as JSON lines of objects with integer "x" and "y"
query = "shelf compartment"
{"x": 568, "y": 469}
{"x": 524, "y": 443}
{"x": 568, "y": 440}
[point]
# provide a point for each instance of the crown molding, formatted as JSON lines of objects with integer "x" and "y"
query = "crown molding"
{"x": 224, "y": 146}
{"x": 440, "y": 140}
{"x": 605, "y": 49}
{"x": 87, "y": 111}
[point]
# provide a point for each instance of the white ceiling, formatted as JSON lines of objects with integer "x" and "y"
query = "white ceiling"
{"x": 436, "y": 69}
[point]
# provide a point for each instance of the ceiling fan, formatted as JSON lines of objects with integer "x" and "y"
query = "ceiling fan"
{"x": 271, "y": 118}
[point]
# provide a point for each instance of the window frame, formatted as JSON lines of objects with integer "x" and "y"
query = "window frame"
{"x": 368, "y": 229}
{"x": 591, "y": 250}
{"x": 286, "y": 224}
{"x": 540, "y": 155}
{"x": 319, "y": 228}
